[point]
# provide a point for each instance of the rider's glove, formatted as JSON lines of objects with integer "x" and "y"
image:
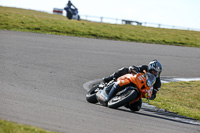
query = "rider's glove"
{"x": 133, "y": 69}
{"x": 154, "y": 94}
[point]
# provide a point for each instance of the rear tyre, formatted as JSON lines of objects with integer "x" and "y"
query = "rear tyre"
{"x": 122, "y": 99}
{"x": 91, "y": 95}
{"x": 79, "y": 18}
{"x": 136, "y": 106}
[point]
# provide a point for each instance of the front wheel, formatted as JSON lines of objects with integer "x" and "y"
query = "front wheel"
{"x": 69, "y": 15}
{"x": 122, "y": 99}
{"x": 91, "y": 94}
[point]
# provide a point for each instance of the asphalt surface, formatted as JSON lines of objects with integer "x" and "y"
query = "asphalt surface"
{"x": 42, "y": 77}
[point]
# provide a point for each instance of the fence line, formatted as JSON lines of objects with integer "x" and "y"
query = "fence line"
{"x": 133, "y": 22}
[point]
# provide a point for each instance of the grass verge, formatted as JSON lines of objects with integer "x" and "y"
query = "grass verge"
{"x": 40, "y": 22}
{"x": 12, "y": 127}
{"x": 179, "y": 97}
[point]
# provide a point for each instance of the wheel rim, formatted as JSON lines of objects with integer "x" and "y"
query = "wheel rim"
{"x": 119, "y": 97}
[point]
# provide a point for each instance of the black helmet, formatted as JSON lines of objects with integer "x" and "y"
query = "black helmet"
{"x": 155, "y": 65}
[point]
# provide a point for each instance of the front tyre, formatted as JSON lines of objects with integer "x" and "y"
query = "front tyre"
{"x": 122, "y": 99}
{"x": 91, "y": 94}
{"x": 69, "y": 15}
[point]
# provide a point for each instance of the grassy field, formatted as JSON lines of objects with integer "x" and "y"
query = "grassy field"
{"x": 180, "y": 97}
{"x": 34, "y": 21}
{"x": 11, "y": 127}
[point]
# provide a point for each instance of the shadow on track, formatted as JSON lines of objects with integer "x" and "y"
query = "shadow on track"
{"x": 169, "y": 116}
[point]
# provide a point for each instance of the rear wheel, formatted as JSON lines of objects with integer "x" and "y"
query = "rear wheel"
{"x": 122, "y": 99}
{"x": 79, "y": 18}
{"x": 136, "y": 106}
{"x": 91, "y": 94}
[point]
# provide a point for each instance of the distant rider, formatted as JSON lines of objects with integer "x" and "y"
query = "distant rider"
{"x": 70, "y": 5}
{"x": 153, "y": 67}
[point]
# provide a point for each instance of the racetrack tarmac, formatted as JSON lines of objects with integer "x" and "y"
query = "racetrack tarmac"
{"x": 42, "y": 77}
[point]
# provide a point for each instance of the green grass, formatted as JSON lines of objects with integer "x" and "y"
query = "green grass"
{"x": 180, "y": 97}
{"x": 34, "y": 21}
{"x": 11, "y": 127}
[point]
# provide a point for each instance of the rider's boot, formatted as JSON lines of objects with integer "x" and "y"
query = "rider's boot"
{"x": 103, "y": 94}
{"x": 107, "y": 89}
{"x": 103, "y": 97}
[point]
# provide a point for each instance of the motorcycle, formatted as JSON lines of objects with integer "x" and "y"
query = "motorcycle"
{"x": 140, "y": 85}
{"x": 72, "y": 13}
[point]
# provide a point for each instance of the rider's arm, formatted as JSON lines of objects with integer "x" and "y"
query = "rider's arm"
{"x": 74, "y": 7}
{"x": 116, "y": 75}
{"x": 121, "y": 72}
{"x": 157, "y": 84}
{"x": 143, "y": 67}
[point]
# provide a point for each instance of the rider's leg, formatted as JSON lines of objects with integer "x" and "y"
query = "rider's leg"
{"x": 107, "y": 89}
{"x": 115, "y": 88}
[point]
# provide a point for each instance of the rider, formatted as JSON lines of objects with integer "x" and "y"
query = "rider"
{"x": 69, "y": 5}
{"x": 154, "y": 67}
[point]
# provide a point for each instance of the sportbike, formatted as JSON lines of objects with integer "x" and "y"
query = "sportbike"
{"x": 135, "y": 87}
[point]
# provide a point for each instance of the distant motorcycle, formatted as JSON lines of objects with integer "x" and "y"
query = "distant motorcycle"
{"x": 142, "y": 87}
{"x": 72, "y": 13}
